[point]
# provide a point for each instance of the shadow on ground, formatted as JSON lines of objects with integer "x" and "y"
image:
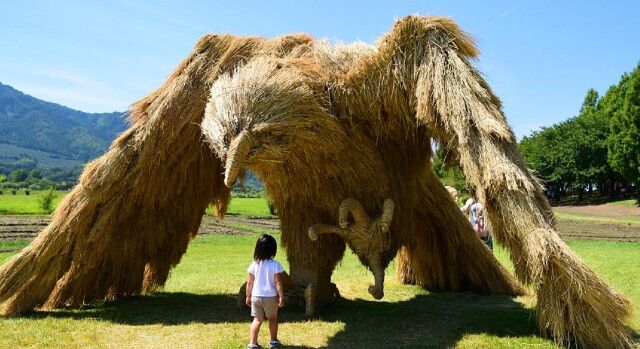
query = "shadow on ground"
{"x": 429, "y": 320}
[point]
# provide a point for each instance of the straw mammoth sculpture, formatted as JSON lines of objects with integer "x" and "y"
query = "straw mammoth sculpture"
{"x": 318, "y": 123}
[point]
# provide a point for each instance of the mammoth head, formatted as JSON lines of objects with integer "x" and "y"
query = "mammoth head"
{"x": 256, "y": 114}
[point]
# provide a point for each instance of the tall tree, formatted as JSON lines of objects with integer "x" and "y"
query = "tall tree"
{"x": 624, "y": 136}
{"x": 549, "y": 153}
{"x": 588, "y": 143}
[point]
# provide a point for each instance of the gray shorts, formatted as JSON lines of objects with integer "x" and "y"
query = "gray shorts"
{"x": 264, "y": 307}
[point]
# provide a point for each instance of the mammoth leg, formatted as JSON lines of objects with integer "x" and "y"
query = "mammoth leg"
{"x": 443, "y": 253}
{"x": 404, "y": 271}
{"x": 311, "y": 262}
{"x": 310, "y": 296}
{"x": 575, "y": 305}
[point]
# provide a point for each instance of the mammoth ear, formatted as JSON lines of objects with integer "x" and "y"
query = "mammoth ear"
{"x": 135, "y": 209}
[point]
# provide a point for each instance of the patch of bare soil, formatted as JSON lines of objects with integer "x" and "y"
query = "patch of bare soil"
{"x": 605, "y": 210}
{"x": 21, "y": 227}
{"x": 211, "y": 225}
{"x": 269, "y": 222}
{"x": 599, "y": 230}
{"x": 27, "y": 227}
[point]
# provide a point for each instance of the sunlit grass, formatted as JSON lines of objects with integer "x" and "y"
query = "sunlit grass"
{"x": 25, "y": 204}
{"x": 595, "y": 218}
{"x": 28, "y": 204}
{"x": 197, "y": 309}
{"x": 629, "y": 202}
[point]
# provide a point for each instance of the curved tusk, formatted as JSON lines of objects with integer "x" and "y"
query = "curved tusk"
{"x": 353, "y": 207}
{"x": 237, "y": 157}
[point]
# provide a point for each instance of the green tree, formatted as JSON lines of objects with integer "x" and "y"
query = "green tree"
{"x": 45, "y": 199}
{"x": 550, "y": 155}
{"x": 624, "y": 136}
{"x": 588, "y": 141}
{"x": 35, "y": 174}
{"x": 19, "y": 175}
{"x": 448, "y": 170}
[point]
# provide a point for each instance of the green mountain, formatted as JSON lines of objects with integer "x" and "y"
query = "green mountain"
{"x": 64, "y": 133}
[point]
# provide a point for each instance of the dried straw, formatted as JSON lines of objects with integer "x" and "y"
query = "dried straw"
{"x": 319, "y": 124}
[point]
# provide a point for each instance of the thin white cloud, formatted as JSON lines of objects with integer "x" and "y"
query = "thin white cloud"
{"x": 504, "y": 14}
{"x": 153, "y": 11}
{"x": 76, "y": 98}
{"x": 71, "y": 78}
{"x": 66, "y": 87}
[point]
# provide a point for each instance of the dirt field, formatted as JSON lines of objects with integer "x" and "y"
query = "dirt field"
{"x": 22, "y": 227}
{"x": 599, "y": 231}
{"x": 26, "y": 227}
{"x": 604, "y": 210}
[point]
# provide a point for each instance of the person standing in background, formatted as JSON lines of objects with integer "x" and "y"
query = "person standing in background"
{"x": 475, "y": 212}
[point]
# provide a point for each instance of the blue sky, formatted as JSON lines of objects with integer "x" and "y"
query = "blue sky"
{"x": 540, "y": 57}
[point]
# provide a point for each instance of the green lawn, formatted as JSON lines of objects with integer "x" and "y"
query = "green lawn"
{"x": 24, "y": 204}
{"x": 248, "y": 207}
{"x": 13, "y": 245}
{"x": 197, "y": 309}
{"x": 629, "y": 202}
{"x": 594, "y": 218}
{"x": 28, "y": 204}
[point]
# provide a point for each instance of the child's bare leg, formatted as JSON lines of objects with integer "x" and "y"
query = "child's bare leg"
{"x": 273, "y": 327}
{"x": 255, "y": 328}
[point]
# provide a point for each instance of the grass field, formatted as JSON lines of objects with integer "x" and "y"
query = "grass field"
{"x": 248, "y": 206}
{"x": 595, "y": 218}
{"x": 24, "y": 204}
{"x": 28, "y": 204}
{"x": 197, "y": 309}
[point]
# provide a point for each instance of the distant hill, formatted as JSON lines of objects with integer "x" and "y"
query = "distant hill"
{"x": 58, "y": 140}
{"x": 56, "y": 131}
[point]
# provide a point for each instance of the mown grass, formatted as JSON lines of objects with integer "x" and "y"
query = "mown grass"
{"x": 28, "y": 204}
{"x": 248, "y": 207}
{"x": 25, "y": 204}
{"x": 629, "y": 202}
{"x": 197, "y": 309}
{"x": 596, "y": 218}
{"x": 13, "y": 245}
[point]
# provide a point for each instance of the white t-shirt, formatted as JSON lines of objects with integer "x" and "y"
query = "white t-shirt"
{"x": 264, "y": 273}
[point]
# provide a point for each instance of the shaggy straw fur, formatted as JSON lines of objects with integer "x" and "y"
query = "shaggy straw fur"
{"x": 319, "y": 124}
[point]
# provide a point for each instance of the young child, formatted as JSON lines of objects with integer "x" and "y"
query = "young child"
{"x": 264, "y": 290}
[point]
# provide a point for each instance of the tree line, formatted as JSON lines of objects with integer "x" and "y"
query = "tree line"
{"x": 596, "y": 151}
{"x": 25, "y": 174}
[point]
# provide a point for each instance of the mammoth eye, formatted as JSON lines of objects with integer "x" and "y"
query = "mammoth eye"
{"x": 255, "y": 148}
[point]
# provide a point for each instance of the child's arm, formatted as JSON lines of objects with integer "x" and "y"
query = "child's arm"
{"x": 250, "y": 279}
{"x": 280, "y": 289}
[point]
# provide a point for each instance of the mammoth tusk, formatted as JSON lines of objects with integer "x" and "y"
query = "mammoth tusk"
{"x": 237, "y": 157}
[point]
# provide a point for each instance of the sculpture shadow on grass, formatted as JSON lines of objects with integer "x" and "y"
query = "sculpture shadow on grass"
{"x": 427, "y": 320}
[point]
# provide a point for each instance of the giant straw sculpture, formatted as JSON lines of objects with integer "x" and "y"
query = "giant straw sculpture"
{"x": 319, "y": 124}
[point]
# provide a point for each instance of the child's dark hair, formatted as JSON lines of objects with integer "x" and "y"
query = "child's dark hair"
{"x": 266, "y": 247}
